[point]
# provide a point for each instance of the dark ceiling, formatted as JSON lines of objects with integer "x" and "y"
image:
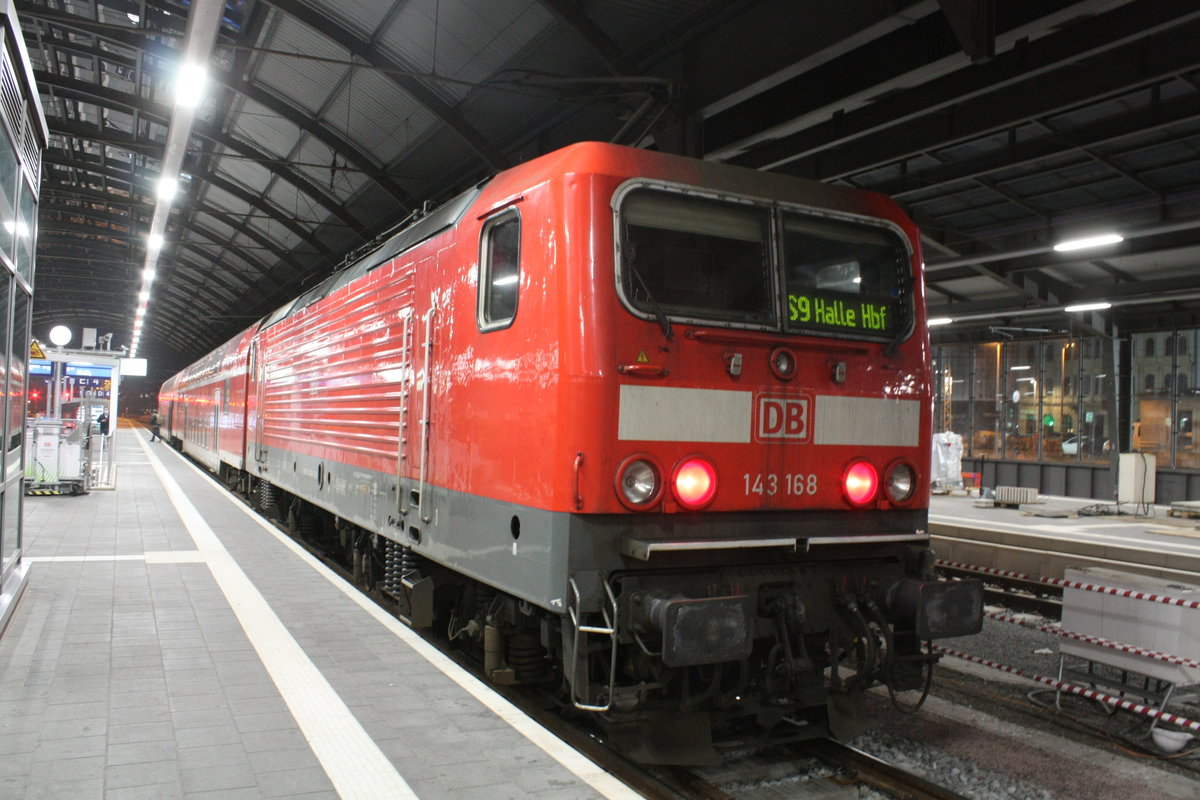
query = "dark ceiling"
{"x": 1002, "y": 126}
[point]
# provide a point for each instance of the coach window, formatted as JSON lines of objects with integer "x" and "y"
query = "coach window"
{"x": 500, "y": 271}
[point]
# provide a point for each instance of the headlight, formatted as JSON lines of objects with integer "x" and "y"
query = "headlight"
{"x": 638, "y": 482}
{"x": 783, "y": 363}
{"x": 901, "y": 483}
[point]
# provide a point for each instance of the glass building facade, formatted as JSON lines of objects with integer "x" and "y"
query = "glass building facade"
{"x": 23, "y": 137}
{"x": 1073, "y": 399}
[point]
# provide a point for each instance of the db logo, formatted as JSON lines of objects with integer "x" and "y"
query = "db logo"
{"x": 783, "y": 418}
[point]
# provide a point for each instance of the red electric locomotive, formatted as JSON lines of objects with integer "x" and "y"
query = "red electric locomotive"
{"x": 654, "y": 428}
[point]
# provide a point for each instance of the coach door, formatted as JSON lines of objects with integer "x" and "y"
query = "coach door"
{"x": 416, "y": 398}
{"x": 218, "y": 396}
{"x": 404, "y": 432}
{"x": 258, "y": 371}
{"x": 430, "y": 323}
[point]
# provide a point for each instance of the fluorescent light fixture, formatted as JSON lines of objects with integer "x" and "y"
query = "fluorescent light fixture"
{"x": 167, "y": 187}
{"x": 189, "y": 86}
{"x": 147, "y": 275}
{"x": 935, "y": 321}
{"x": 1088, "y": 307}
{"x": 144, "y": 296}
{"x": 134, "y": 18}
{"x": 1089, "y": 241}
{"x": 155, "y": 241}
{"x": 1018, "y": 368}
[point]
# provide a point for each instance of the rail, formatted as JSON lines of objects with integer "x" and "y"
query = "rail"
{"x": 862, "y": 767}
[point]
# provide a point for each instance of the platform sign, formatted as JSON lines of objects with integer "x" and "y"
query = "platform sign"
{"x": 81, "y": 386}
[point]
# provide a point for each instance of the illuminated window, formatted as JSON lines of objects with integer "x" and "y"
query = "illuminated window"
{"x": 845, "y": 277}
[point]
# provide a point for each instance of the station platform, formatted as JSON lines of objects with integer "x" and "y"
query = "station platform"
{"x": 1045, "y": 537}
{"x": 170, "y": 644}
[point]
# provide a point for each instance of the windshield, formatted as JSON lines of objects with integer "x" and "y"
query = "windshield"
{"x": 844, "y": 277}
{"x": 696, "y": 257}
{"x": 705, "y": 259}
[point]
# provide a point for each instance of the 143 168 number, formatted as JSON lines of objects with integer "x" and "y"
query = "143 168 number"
{"x": 769, "y": 484}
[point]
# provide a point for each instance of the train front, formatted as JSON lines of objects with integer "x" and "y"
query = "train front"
{"x": 764, "y": 558}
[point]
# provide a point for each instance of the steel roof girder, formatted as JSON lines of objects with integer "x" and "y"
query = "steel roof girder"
{"x": 1089, "y": 135}
{"x": 160, "y": 114}
{"x": 397, "y": 73}
{"x": 970, "y": 103}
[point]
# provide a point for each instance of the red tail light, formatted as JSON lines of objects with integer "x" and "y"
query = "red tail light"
{"x": 860, "y": 482}
{"x": 694, "y": 482}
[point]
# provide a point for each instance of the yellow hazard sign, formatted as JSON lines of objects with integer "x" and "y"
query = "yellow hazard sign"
{"x": 35, "y": 349}
{"x": 642, "y": 359}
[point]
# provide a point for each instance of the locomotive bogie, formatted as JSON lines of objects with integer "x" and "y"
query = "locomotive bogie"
{"x": 669, "y": 418}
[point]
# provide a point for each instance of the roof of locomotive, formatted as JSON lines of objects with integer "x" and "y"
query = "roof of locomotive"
{"x": 594, "y": 158}
{"x": 630, "y": 162}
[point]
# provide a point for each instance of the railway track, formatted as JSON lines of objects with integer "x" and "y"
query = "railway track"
{"x": 1014, "y": 593}
{"x": 818, "y": 768}
{"x": 860, "y": 767}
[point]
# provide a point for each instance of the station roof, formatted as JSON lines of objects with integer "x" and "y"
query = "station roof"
{"x": 1001, "y": 127}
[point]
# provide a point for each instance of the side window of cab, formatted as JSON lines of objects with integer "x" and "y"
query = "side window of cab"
{"x": 499, "y": 270}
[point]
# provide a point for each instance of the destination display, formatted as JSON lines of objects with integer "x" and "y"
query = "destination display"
{"x": 854, "y": 315}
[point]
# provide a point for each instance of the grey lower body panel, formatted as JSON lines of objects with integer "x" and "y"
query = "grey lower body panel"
{"x": 535, "y": 555}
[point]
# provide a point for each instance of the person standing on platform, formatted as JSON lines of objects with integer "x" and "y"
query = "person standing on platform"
{"x": 154, "y": 427}
{"x": 102, "y": 421}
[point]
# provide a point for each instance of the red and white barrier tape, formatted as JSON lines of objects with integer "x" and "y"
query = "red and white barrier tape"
{"x": 1091, "y": 694}
{"x": 1097, "y": 640}
{"x": 1090, "y": 587}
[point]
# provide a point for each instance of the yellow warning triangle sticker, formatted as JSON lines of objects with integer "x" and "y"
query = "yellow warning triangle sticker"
{"x": 35, "y": 349}
{"x": 642, "y": 359}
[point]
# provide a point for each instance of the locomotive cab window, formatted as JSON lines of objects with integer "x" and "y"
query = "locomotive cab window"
{"x": 845, "y": 278}
{"x": 695, "y": 257}
{"x": 500, "y": 271}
